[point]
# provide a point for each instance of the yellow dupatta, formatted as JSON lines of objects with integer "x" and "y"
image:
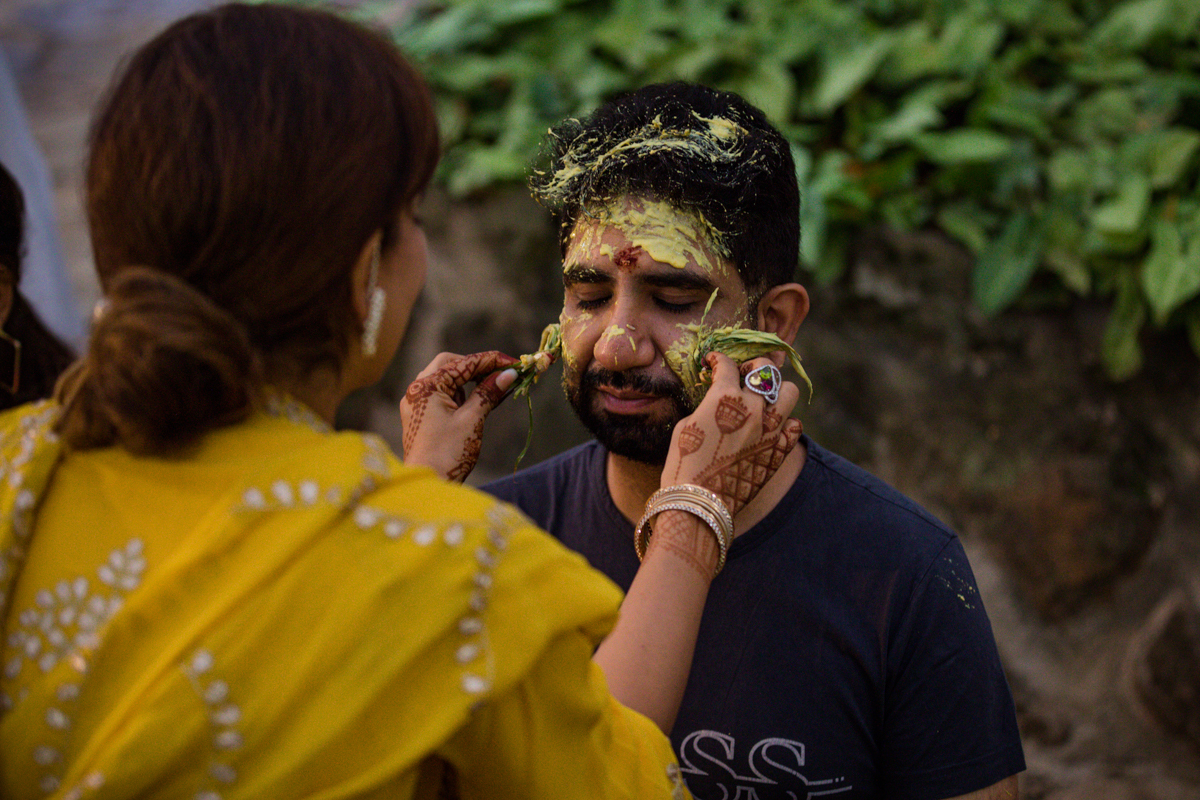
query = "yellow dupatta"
{"x": 330, "y": 622}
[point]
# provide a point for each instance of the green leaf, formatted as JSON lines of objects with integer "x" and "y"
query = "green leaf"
{"x": 522, "y": 12}
{"x": 827, "y": 178}
{"x": 1063, "y": 256}
{"x": 1070, "y": 170}
{"x": 814, "y": 220}
{"x": 1170, "y": 154}
{"x": 1120, "y": 350}
{"x": 483, "y": 166}
{"x": 918, "y": 112}
{"x": 1171, "y": 275}
{"x": 963, "y": 146}
{"x": 1108, "y": 114}
{"x": 1005, "y": 266}
{"x": 846, "y": 69}
{"x": 1131, "y": 25}
{"x": 445, "y": 31}
{"x": 965, "y": 223}
{"x": 770, "y": 87}
{"x": 968, "y": 44}
{"x": 1106, "y": 70}
{"x": 1124, "y": 213}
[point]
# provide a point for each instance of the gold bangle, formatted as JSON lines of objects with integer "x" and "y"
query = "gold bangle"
{"x": 694, "y": 500}
{"x": 708, "y": 499}
{"x": 640, "y": 542}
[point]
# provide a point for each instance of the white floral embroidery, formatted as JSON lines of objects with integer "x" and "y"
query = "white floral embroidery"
{"x": 30, "y": 431}
{"x": 91, "y": 782}
{"x": 475, "y": 654}
{"x": 65, "y": 624}
{"x": 281, "y": 405}
{"x": 223, "y": 718}
{"x": 280, "y": 494}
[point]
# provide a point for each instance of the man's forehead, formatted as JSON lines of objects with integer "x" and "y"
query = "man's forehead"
{"x": 619, "y": 231}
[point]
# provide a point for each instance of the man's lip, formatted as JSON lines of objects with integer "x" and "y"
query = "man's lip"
{"x": 626, "y": 394}
{"x": 623, "y": 401}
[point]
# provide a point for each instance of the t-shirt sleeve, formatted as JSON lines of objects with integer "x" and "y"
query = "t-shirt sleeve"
{"x": 950, "y": 726}
{"x": 558, "y": 733}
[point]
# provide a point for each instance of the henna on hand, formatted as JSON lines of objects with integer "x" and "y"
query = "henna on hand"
{"x": 469, "y": 456}
{"x": 751, "y": 442}
{"x": 435, "y": 412}
{"x": 688, "y": 538}
{"x": 732, "y": 414}
{"x": 417, "y": 396}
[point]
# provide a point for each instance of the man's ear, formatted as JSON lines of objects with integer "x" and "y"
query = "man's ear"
{"x": 782, "y": 309}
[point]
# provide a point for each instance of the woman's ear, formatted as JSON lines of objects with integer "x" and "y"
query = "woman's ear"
{"x": 361, "y": 278}
{"x": 782, "y": 309}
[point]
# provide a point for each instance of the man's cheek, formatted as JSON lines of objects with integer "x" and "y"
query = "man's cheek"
{"x": 575, "y": 329}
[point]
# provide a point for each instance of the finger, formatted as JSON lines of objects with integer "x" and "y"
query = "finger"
{"x": 790, "y": 434}
{"x": 725, "y": 374}
{"x": 439, "y": 362}
{"x": 492, "y": 389}
{"x": 789, "y": 397}
{"x": 457, "y": 373}
{"x": 746, "y": 367}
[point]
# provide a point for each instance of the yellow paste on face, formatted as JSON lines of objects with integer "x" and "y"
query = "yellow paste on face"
{"x": 572, "y": 327}
{"x": 669, "y": 235}
{"x": 614, "y": 331}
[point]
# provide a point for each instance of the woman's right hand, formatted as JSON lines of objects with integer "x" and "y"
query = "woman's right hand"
{"x": 735, "y": 441}
{"x": 443, "y": 428}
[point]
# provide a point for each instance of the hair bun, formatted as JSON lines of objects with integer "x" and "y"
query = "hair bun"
{"x": 164, "y": 366}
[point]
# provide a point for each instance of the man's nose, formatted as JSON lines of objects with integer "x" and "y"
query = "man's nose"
{"x": 622, "y": 346}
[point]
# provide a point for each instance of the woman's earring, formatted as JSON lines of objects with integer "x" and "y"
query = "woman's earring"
{"x": 376, "y": 302}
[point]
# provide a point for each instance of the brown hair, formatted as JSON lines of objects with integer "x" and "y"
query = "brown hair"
{"x": 242, "y": 161}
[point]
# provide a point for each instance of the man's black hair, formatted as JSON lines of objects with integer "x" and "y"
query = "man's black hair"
{"x": 694, "y": 147}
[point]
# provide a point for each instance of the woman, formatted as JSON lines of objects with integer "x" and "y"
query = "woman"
{"x": 31, "y": 357}
{"x": 207, "y": 592}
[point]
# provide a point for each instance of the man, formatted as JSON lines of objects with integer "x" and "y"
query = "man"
{"x": 844, "y": 650}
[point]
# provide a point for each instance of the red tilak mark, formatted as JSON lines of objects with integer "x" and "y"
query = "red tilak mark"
{"x": 627, "y": 256}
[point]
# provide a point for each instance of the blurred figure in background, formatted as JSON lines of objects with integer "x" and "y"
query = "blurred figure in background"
{"x": 47, "y": 286}
{"x": 31, "y": 356}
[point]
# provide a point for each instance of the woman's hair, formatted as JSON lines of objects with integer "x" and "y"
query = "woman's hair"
{"x": 237, "y": 168}
{"x": 43, "y": 356}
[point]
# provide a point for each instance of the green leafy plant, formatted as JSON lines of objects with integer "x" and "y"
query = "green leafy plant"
{"x": 1056, "y": 139}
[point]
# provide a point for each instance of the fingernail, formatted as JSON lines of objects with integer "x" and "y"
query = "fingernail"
{"x": 506, "y": 379}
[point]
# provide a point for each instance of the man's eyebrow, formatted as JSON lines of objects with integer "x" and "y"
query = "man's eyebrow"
{"x": 678, "y": 279}
{"x": 579, "y": 274}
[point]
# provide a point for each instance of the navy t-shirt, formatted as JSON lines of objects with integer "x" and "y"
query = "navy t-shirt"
{"x": 843, "y": 651}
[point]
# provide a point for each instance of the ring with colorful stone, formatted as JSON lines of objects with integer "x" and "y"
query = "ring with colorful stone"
{"x": 765, "y": 381}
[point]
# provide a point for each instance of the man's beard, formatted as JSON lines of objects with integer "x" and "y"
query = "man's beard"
{"x": 640, "y": 437}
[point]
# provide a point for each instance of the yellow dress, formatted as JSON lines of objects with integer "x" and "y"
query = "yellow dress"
{"x": 291, "y": 612}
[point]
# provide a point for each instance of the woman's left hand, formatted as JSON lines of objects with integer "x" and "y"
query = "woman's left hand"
{"x": 443, "y": 428}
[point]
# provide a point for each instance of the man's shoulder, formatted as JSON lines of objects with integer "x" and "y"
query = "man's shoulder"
{"x": 553, "y": 472}
{"x": 865, "y": 502}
